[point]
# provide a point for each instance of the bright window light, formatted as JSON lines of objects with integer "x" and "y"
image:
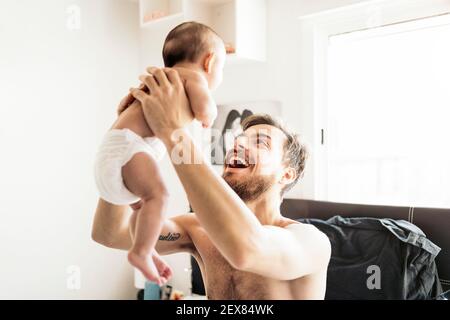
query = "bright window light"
{"x": 388, "y": 112}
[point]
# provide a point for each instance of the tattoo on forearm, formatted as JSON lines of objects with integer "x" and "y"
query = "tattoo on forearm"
{"x": 170, "y": 237}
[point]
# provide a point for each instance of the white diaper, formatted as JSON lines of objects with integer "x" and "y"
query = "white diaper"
{"x": 116, "y": 149}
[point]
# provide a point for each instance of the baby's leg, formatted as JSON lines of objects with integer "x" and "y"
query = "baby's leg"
{"x": 142, "y": 177}
{"x": 164, "y": 270}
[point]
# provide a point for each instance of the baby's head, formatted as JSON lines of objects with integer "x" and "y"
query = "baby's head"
{"x": 196, "y": 43}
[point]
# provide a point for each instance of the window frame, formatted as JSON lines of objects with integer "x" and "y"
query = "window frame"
{"x": 316, "y": 29}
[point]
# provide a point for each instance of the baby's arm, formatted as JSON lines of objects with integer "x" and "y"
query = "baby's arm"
{"x": 202, "y": 103}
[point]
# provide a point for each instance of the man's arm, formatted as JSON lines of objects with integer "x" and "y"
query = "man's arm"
{"x": 230, "y": 224}
{"x": 111, "y": 226}
{"x": 111, "y": 229}
{"x": 280, "y": 253}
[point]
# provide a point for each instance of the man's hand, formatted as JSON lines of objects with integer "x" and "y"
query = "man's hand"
{"x": 166, "y": 108}
{"x": 128, "y": 100}
{"x": 125, "y": 103}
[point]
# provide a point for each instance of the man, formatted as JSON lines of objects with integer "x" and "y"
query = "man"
{"x": 245, "y": 248}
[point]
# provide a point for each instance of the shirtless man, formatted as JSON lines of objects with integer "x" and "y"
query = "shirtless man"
{"x": 245, "y": 248}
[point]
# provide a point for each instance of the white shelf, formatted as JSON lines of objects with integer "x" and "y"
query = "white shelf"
{"x": 162, "y": 10}
{"x": 165, "y": 19}
{"x": 240, "y": 23}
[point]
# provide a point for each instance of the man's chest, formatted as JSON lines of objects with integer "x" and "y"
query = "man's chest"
{"x": 222, "y": 281}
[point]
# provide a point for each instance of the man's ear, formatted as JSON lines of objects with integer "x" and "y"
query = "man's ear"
{"x": 209, "y": 62}
{"x": 289, "y": 176}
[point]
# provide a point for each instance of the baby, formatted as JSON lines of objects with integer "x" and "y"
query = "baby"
{"x": 126, "y": 170}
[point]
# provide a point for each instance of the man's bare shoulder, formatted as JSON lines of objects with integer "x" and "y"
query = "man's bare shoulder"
{"x": 312, "y": 238}
{"x": 300, "y": 230}
{"x": 307, "y": 234}
{"x": 305, "y": 230}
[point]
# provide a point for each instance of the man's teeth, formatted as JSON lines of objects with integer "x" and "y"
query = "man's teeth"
{"x": 238, "y": 163}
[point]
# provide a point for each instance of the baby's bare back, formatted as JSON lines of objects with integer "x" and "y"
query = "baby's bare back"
{"x": 202, "y": 105}
{"x": 200, "y": 98}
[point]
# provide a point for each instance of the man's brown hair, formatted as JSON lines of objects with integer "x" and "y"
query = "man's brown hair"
{"x": 295, "y": 152}
{"x": 188, "y": 42}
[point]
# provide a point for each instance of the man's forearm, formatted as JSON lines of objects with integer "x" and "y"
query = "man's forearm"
{"x": 230, "y": 224}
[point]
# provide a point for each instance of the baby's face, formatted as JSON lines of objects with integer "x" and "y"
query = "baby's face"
{"x": 216, "y": 75}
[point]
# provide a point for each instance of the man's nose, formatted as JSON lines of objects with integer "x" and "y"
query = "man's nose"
{"x": 240, "y": 147}
{"x": 241, "y": 143}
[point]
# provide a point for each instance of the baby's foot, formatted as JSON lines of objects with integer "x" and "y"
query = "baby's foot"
{"x": 145, "y": 264}
{"x": 164, "y": 271}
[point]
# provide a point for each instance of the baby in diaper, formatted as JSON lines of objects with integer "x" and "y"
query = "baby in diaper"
{"x": 126, "y": 166}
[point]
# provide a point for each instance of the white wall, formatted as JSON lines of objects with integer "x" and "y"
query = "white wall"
{"x": 59, "y": 90}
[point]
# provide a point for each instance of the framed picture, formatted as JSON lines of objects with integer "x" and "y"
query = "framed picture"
{"x": 228, "y": 124}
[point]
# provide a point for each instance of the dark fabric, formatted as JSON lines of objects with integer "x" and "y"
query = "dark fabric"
{"x": 404, "y": 255}
{"x": 434, "y": 222}
{"x": 197, "y": 284}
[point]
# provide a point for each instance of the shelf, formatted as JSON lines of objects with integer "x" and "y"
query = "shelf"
{"x": 154, "y": 11}
{"x": 240, "y": 23}
{"x": 165, "y": 19}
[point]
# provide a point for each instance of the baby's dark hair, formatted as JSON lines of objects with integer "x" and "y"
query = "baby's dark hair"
{"x": 188, "y": 42}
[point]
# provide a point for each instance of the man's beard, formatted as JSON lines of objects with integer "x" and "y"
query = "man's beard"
{"x": 249, "y": 188}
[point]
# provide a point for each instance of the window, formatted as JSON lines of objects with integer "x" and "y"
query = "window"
{"x": 388, "y": 115}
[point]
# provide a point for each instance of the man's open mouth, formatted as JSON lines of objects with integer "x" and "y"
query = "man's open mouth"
{"x": 236, "y": 162}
